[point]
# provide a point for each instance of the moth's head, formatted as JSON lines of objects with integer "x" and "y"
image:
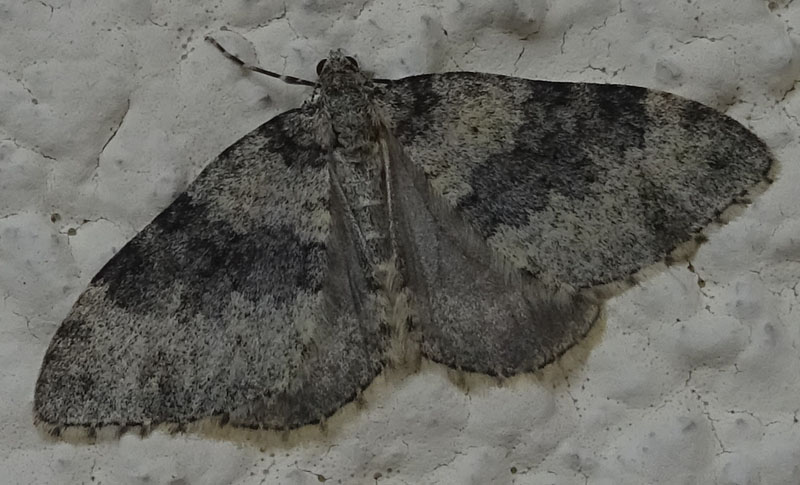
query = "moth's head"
{"x": 340, "y": 69}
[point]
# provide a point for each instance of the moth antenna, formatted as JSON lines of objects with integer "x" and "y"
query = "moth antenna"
{"x": 250, "y": 67}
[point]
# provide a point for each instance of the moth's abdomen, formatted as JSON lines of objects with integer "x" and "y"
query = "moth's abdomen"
{"x": 361, "y": 181}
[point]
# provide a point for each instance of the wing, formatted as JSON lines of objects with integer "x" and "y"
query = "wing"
{"x": 244, "y": 299}
{"x": 531, "y": 194}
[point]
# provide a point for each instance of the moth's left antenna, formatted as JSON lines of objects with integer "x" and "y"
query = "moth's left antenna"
{"x": 286, "y": 79}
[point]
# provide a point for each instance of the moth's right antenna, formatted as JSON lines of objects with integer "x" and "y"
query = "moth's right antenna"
{"x": 286, "y": 79}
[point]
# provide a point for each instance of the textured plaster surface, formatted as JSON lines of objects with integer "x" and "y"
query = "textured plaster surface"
{"x": 109, "y": 109}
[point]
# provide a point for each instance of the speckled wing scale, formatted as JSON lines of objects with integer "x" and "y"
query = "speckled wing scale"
{"x": 247, "y": 298}
{"x": 527, "y": 199}
{"x": 471, "y": 216}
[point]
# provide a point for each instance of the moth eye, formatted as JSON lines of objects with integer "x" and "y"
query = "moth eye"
{"x": 352, "y": 61}
{"x": 321, "y": 66}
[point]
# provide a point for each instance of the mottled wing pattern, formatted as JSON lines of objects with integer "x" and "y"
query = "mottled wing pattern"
{"x": 244, "y": 299}
{"x": 563, "y": 186}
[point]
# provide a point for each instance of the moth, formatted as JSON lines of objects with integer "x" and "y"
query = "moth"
{"x": 477, "y": 220}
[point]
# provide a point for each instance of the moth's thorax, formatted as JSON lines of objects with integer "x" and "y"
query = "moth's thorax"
{"x": 346, "y": 93}
{"x": 354, "y": 118}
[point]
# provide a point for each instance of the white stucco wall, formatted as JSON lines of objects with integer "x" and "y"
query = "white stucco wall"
{"x": 108, "y": 109}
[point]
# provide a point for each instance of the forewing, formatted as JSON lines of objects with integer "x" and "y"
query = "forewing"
{"x": 243, "y": 299}
{"x": 567, "y": 186}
